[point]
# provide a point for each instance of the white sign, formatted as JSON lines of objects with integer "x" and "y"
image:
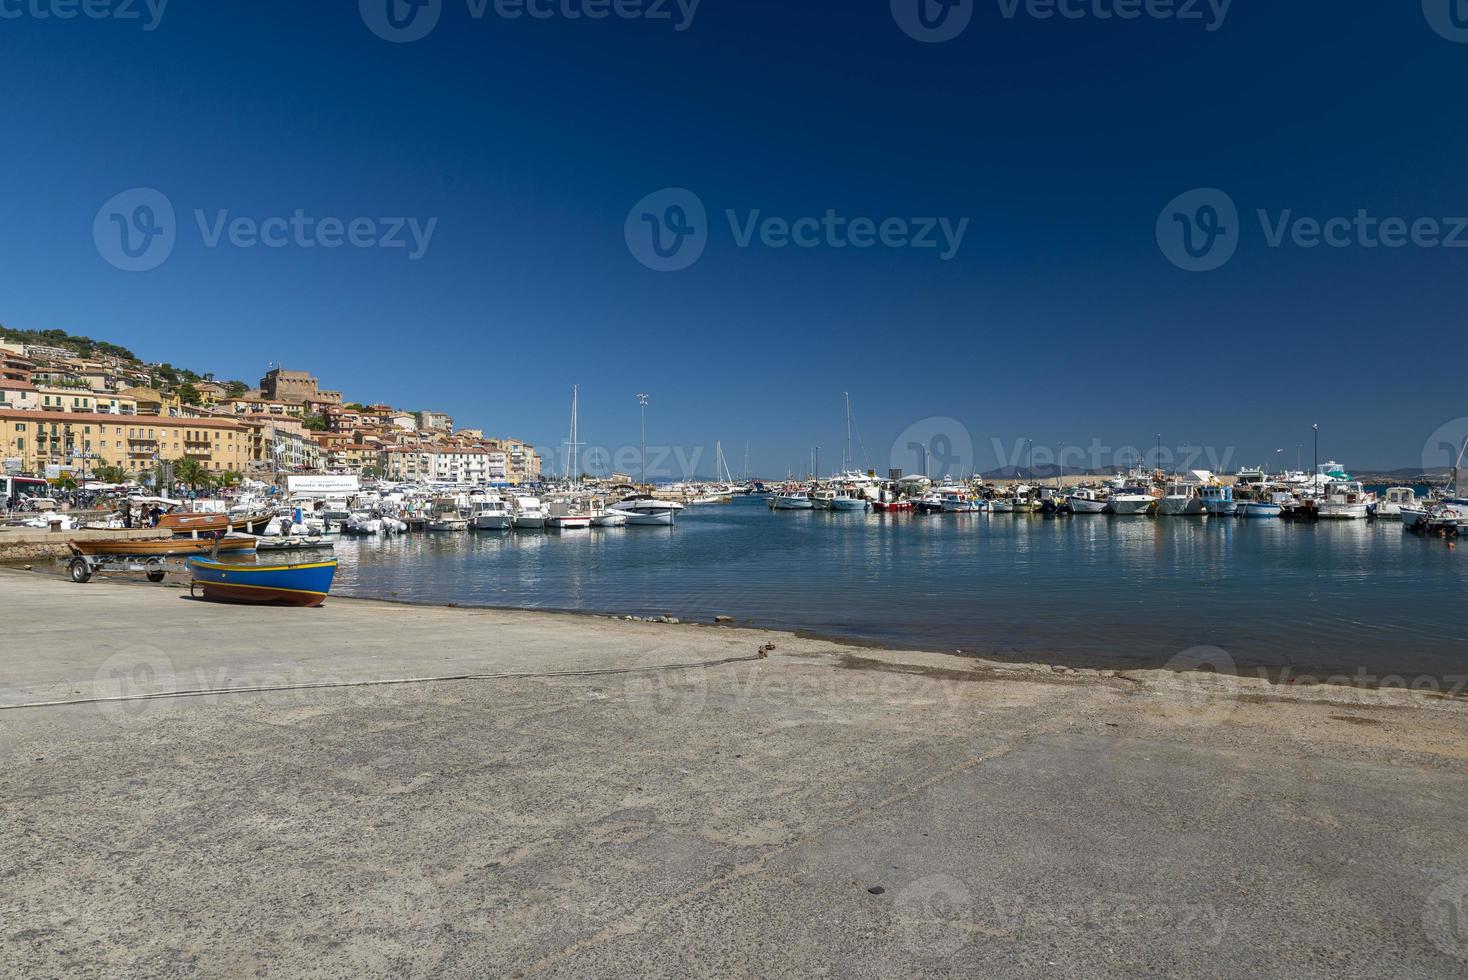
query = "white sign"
{"x": 341, "y": 485}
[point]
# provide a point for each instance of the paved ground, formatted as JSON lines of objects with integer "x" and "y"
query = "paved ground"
{"x": 824, "y": 811}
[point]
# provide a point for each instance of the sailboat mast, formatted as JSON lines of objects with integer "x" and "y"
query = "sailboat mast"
{"x": 846, "y": 460}
{"x": 572, "y": 455}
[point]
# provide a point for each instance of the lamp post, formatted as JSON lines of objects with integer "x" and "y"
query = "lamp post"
{"x": 642, "y": 405}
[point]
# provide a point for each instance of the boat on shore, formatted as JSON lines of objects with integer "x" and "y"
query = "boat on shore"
{"x": 166, "y": 547}
{"x": 302, "y": 584}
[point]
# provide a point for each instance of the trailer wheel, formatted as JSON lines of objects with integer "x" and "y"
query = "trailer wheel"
{"x": 156, "y": 576}
{"x": 155, "y": 570}
{"x": 80, "y": 570}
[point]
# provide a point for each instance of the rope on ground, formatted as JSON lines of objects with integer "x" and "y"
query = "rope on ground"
{"x": 444, "y": 679}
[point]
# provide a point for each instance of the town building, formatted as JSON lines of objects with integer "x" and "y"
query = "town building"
{"x": 136, "y": 444}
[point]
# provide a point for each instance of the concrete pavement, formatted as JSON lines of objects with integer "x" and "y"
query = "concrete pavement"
{"x": 827, "y": 810}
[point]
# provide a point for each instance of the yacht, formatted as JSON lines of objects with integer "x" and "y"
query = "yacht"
{"x": 490, "y": 514}
{"x": 1087, "y": 500}
{"x": 527, "y": 513}
{"x": 646, "y": 509}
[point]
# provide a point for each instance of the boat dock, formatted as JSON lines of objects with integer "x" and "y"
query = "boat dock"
{"x": 369, "y": 788}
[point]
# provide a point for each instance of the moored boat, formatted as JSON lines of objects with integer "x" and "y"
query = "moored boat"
{"x": 645, "y": 509}
{"x": 1087, "y": 500}
{"x": 300, "y": 584}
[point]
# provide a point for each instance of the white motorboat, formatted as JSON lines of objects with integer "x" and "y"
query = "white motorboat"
{"x": 446, "y": 514}
{"x": 821, "y": 499}
{"x": 566, "y": 515}
{"x": 1180, "y": 500}
{"x": 527, "y": 513}
{"x": 847, "y": 501}
{"x": 490, "y": 514}
{"x": 956, "y": 501}
{"x": 1258, "y": 508}
{"x": 645, "y": 509}
{"x": 1130, "y": 502}
{"x": 1087, "y": 500}
{"x": 999, "y": 505}
{"x": 791, "y": 499}
{"x": 609, "y": 518}
{"x": 1023, "y": 499}
{"x": 1344, "y": 500}
{"x": 1391, "y": 503}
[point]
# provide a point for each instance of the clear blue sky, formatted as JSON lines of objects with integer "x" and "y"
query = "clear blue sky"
{"x": 1059, "y": 319}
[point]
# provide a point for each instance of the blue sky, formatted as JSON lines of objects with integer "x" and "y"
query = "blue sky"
{"x": 526, "y": 142}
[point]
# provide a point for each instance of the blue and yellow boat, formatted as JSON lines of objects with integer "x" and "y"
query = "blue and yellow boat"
{"x": 304, "y": 584}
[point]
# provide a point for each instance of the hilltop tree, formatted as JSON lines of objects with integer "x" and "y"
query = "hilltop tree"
{"x": 188, "y": 394}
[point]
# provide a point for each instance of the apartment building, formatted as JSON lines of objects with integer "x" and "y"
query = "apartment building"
{"x": 137, "y": 444}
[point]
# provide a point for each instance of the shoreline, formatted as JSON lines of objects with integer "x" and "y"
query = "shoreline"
{"x": 1440, "y": 685}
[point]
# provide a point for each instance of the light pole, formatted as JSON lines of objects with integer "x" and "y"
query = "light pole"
{"x": 642, "y": 406}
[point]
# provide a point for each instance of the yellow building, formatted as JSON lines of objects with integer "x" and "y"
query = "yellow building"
{"x": 151, "y": 401}
{"x": 135, "y": 443}
{"x": 54, "y": 399}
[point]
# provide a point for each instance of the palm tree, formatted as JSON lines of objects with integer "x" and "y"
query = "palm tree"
{"x": 190, "y": 471}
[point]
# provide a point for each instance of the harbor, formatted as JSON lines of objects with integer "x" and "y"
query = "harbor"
{"x": 384, "y": 789}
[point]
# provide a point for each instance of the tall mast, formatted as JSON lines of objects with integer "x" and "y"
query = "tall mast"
{"x": 846, "y": 460}
{"x": 572, "y": 455}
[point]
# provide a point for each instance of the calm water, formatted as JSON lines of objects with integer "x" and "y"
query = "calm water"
{"x": 1340, "y": 595}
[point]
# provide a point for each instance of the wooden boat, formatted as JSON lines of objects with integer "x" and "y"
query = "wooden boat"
{"x": 304, "y": 584}
{"x": 168, "y": 547}
{"x": 294, "y": 543}
{"x": 186, "y": 523}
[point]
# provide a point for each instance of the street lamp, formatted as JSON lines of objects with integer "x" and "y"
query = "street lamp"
{"x": 642, "y": 406}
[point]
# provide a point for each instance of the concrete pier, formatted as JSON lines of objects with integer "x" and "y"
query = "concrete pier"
{"x": 644, "y": 800}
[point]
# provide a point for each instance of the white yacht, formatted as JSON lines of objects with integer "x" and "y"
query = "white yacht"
{"x": 527, "y": 513}
{"x": 490, "y": 514}
{"x": 646, "y": 509}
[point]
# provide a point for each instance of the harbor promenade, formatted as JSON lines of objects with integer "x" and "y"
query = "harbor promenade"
{"x": 558, "y": 795}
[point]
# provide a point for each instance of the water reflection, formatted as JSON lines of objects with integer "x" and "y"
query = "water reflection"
{"x": 1340, "y": 594}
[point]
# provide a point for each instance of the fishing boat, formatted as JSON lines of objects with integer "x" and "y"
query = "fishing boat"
{"x": 191, "y": 523}
{"x": 1087, "y": 500}
{"x": 821, "y": 499}
{"x": 954, "y": 500}
{"x": 645, "y": 509}
{"x": 608, "y": 518}
{"x": 847, "y": 501}
{"x": 1258, "y": 507}
{"x": 1180, "y": 499}
{"x": 1218, "y": 499}
{"x": 1390, "y": 504}
{"x": 1023, "y": 499}
{"x": 1344, "y": 500}
{"x": 303, "y": 584}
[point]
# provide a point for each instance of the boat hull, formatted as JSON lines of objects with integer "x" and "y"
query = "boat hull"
{"x": 167, "y": 548}
{"x": 303, "y": 584}
{"x": 568, "y": 523}
{"x": 1256, "y": 508}
{"x": 849, "y": 503}
{"x": 1130, "y": 506}
{"x": 1180, "y": 507}
{"x": 488, "y": 522}
{"x": 1079, "y": 505}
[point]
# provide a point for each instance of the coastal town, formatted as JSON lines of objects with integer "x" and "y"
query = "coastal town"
{"x": 76, "y": 409}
